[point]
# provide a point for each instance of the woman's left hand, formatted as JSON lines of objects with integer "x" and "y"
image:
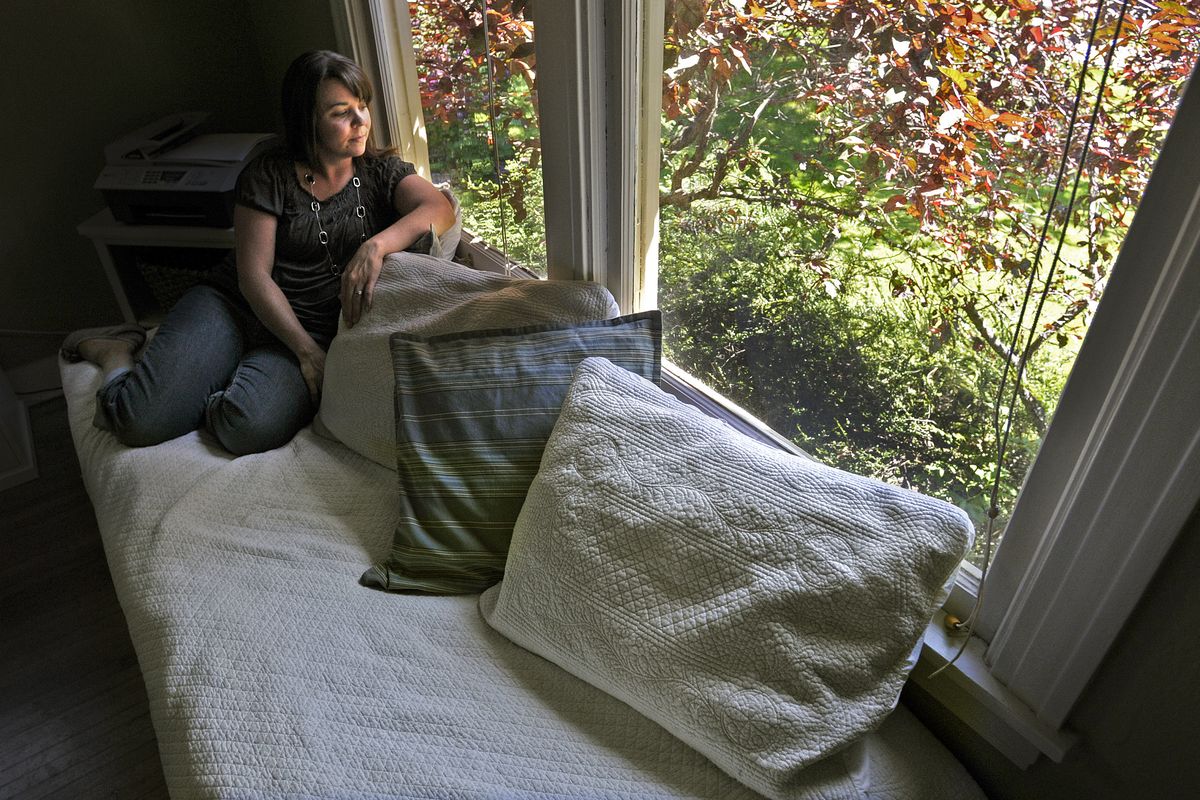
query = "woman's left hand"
{"x": 358, "y": 281}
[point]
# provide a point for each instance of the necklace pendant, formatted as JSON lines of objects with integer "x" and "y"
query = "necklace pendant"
{"x": 322, "y": 235}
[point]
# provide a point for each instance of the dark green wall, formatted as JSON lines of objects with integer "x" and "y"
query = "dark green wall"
{"x": 76, "y": 76}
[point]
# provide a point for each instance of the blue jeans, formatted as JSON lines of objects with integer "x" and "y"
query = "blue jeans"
{"x": 212, "y": 363}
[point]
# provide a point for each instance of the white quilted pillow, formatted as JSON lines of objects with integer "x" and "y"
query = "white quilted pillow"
{"x": 760, "y": 606}
{"x": 444, "y": 246}
{"x": 427, "y": 295}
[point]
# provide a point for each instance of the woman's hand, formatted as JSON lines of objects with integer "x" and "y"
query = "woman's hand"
{"x": 312, "y": 367}
{"x": 358, "y": 281}
{"x": 421, "y": 207}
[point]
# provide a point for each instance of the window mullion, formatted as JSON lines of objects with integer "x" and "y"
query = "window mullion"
{"x": 642, "y": 273}
{"x": 593, "y": 65}
{"x": 569, "y": 37}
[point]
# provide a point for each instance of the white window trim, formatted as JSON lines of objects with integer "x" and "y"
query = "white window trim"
{"x": 1076, "y": 558}
{"x": 572, "y": 81}
{"x": 377, "y": 34}
{"x": 969, "y": 690}
{"x": 599, "y": 73}
{"x": 649, "y": 155}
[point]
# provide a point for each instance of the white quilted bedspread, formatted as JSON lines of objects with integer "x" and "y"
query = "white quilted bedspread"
{"x": 272, "y": 673}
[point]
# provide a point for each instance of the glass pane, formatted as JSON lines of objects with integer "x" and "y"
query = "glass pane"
{"x": 853, "y": 196}
{"x": 448, "y": 37}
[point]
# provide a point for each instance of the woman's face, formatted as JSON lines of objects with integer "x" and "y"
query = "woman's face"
{"x": 343, "y": 122}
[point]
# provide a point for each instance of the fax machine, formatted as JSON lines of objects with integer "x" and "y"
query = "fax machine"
{"x": 166, "y": 174}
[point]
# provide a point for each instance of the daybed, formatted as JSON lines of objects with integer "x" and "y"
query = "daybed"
{"x": 272, "y": 672}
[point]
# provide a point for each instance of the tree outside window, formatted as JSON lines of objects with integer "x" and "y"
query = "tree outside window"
{"x": 852, "y": 199}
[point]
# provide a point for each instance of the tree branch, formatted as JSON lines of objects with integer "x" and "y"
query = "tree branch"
{"x": 785, "y": 200}
{"x": 738, "y": 145}
{"x": 1035, "y": 408}
{"x": 678, "y": 197}
{"x": 699, "y": 132}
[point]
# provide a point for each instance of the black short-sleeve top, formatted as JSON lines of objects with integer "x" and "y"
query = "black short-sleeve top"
{"x": 302, "y": 266}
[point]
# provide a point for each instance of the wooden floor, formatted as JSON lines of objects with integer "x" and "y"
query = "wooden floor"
{"x": 74, "y": 719}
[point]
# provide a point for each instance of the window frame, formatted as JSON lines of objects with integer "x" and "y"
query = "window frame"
{"x": 599, "y": 155}
{"x": 1044, "y": 626}
{"x": 377, "y": 34}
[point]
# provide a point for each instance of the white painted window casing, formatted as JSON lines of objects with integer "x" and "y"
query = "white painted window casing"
{"x": 599, "y": 74}
{"x": 1119, "y": 471}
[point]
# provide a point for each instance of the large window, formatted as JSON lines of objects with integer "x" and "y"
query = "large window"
{"x": 853, "y": 196}
{"x": 1119, "y": 467}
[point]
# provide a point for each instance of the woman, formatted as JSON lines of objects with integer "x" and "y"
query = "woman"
{"x": 244, "y": 355}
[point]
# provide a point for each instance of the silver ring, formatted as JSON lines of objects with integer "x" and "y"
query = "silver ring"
{"x": 358, "y": 291}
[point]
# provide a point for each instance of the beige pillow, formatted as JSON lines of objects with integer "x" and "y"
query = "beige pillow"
{"x": 760, "y": 606}
{"x": 427, "y": 296}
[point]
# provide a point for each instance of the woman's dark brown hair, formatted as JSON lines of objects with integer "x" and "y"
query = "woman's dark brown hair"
{"x": 299, "y": 95}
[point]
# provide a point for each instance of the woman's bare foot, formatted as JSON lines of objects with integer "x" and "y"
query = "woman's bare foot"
{"x": 108, "y": 354}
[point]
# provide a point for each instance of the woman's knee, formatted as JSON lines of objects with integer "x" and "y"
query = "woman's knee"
{"x": 264, "y": 405}
{"x": 243, "y": 429}
{"x": 135, "y": 423}
{"x": 203, "y": 299}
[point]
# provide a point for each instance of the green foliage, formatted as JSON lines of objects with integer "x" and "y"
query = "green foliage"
{"x": 519, "y": 228}
{"x": 848, "y": 378}
{"x": 851, "y": 197}
{"x": 500, "y": 187}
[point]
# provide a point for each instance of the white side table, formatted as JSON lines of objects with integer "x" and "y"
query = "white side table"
{"x": 110, "y": 237}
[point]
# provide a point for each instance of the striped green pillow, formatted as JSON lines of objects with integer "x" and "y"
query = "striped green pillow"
{"x": 473, "y": 413}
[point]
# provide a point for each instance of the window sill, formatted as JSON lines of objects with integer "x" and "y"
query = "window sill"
{"x": 968, "y": 690}
{"x": 690, "y": 390}
{"x": 474, "y": 251}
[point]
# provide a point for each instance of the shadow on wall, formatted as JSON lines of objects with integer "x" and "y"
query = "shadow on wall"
{"x": 94, "y": 72}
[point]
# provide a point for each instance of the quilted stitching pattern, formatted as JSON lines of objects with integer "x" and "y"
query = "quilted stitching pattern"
{"x": 760, "y": 606}
{"x": 272, "y": 674}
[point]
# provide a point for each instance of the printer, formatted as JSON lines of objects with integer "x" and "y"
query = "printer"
{"x": 168, "y": 174}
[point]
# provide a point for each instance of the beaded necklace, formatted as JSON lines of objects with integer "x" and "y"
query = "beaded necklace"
{"x": 360, "y": 211}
